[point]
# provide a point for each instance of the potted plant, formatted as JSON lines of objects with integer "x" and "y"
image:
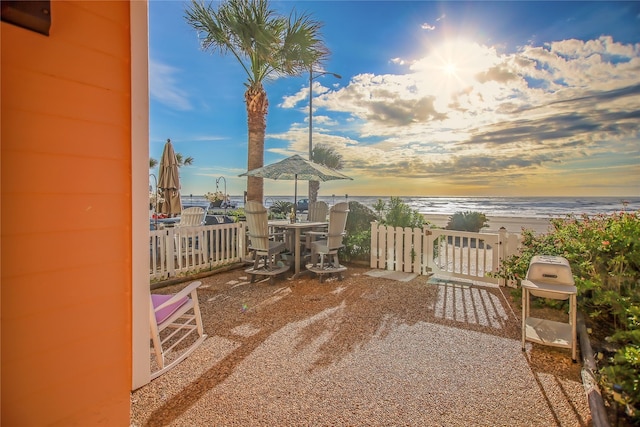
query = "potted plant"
{"x": 217, "y": 198}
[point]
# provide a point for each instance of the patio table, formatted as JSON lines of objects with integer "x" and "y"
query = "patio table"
{"x": 296, "y": 228}
{"x": 162, "y": 223}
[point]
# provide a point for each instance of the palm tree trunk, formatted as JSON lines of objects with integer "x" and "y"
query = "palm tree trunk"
{"x": 314, "y": 186}
{"x": 257, "y": 106}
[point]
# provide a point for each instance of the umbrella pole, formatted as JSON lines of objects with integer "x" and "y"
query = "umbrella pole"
{"x": 295, "y": 193}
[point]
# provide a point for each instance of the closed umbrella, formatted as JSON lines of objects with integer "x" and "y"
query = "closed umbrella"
{"x": 295, "y": 168}
{"x": 169, "y": 182}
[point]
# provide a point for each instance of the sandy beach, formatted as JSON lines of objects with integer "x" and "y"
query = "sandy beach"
{"x": 512, "y": 224}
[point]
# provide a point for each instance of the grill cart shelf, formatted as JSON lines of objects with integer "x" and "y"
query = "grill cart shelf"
{"x": 550, "y": 277}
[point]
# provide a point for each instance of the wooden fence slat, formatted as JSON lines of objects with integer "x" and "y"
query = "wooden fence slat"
{"x": 382, "y": 245}
{"x": 427, "y": 250}
{"x": 418, "y": 240}
{"x": 405, "y": 243}
{"x": 391, "y": 248}
{"x": 375, "y": 246}
{"x": 400, "y": 255}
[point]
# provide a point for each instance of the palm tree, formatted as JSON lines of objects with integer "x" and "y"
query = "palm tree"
{"x": 327, "y": 156}
{"x": 266, "y": 45}
{"x": 182, "y": 161}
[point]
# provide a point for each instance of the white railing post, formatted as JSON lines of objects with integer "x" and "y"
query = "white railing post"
{"x": 373, "y": 254}
{"x": 427, "y": 250}
{"x": 382, "y": 246}
{"x": 169, "y": 245}
{"x": 242, "y": 241}
{"x": 502, "y": 253}
{"x": 416, "y": 250}
{"x": 390, "y": 248}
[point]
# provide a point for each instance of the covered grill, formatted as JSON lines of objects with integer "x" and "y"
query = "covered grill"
{"x": 549, "y": 277}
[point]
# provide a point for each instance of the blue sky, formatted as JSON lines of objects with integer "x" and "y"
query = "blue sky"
{"x": 435, "y": 99}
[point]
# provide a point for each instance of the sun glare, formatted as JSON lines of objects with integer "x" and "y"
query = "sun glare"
{"x": 457, "y": 60}
{"x": 449, "y": 69}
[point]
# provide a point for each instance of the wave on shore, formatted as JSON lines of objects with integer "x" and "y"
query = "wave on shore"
{"x": 503, "y": 207}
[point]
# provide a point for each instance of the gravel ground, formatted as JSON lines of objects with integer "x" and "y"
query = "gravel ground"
{"x": 365, "y": 351}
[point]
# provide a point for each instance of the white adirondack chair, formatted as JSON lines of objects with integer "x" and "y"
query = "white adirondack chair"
{"x": 324, "y": 252}
{"x": 173, "y": 319}
{"x": 266, "y": 250}
{"x": 190, "y": 217}
{"x": 317, "y": 213}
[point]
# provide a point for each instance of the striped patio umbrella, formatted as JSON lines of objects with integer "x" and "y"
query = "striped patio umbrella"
{"x": 295, "y": 168}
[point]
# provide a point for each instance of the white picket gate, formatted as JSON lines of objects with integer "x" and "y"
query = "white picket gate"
{"x": 443, "y": 252}
{"x": 180, "y": 250}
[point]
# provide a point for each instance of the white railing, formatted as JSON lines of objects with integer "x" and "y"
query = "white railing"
{"x": 444, "y": 252}
{"x": 181, "y": 250}
{"x": 188, "y": 250}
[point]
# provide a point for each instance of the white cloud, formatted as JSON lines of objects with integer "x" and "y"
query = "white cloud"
{"x": 291, "y": 101}
{"x": 164, "y": 86}
{"x": 207, "y": 138}
{"x": 492, "y": 115}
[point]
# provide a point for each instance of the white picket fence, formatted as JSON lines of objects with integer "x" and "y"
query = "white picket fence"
{"x": 450, "y": 253}
{"x": 187, "y": 250}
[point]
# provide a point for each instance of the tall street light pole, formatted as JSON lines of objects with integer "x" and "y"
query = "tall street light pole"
{"x": 311, "y": 79}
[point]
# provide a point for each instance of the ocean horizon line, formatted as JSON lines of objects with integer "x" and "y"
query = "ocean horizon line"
{"x": 522, "y": 207}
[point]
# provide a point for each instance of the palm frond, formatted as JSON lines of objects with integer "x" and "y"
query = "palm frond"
{"x": 327, "y": 156}
{"x": 302, "y": 46}
{"x": 184, "y": 161}
{"x": 264, "y": 43}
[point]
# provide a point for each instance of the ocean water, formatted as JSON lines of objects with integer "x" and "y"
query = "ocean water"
{"x": 527, "y": 207}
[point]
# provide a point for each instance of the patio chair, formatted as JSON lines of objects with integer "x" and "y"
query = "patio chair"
{"x": 190, "y": 217}
{"x": 324, "y": 252}
{"x": 266, "y": 250}
{"x": 317, "y": 213}
{"x": 187, "y": 242}
{"x": 174, "y": 318}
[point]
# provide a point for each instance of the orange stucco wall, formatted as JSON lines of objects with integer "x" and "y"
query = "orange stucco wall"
{"x": 66, "y": 218}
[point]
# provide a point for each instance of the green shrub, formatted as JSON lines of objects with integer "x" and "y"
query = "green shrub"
{"x": 395, "y": 214}
{"x": 379, "y": 207}
{"x": 398, "y": 214}
{"x": 624, "y": 367}
{"x": 359, "y": 218}
{"x": 467, "y": 221}
{"x": 357, "y": 246}
{"x": 279, "y": 209}
{"x": 237, "y": 214}
{"x": 358, "y": 239}
{"x": 604, "y": 254}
